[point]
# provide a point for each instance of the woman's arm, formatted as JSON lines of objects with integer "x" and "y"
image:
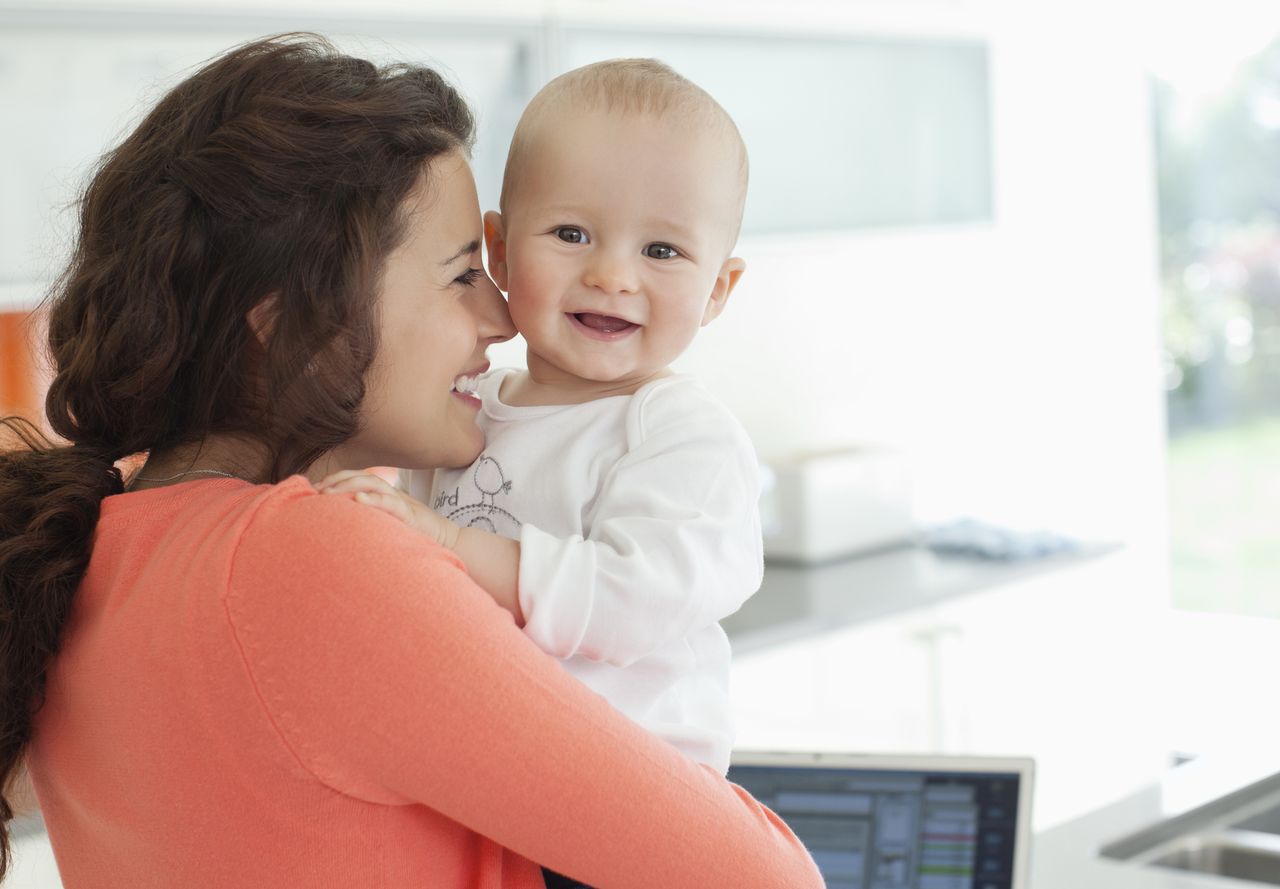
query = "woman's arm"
{"x": 398, "y": 680}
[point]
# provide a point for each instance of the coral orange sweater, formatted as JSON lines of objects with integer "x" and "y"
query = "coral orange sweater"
{"x": 266, "y": 687}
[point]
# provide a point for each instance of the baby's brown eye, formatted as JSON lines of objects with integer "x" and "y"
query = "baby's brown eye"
{"x": 571, "y": 235}
{"x": 661, "y": 251}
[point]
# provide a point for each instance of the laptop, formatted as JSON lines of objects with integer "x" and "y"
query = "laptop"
{"x": 874, "y": 821}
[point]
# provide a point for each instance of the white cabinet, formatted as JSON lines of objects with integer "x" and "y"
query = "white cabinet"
{"x": 67, "y": 114}
{"x": 845, "y": 132}
{"x": 1058, "y": 667}
{"x": 112, "y": 66}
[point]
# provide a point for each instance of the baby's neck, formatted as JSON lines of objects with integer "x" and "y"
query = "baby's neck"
{"x": 531, "y": 388}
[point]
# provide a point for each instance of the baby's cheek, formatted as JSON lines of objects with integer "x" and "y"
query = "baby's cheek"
{"x": 526, "y": 310}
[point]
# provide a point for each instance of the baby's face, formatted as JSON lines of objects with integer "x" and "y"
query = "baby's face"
{"x": 617, "y": 234}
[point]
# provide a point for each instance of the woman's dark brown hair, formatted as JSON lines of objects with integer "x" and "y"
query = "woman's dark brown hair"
{"x": 274, "y": 173}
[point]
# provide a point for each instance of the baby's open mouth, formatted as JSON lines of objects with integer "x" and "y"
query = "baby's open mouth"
{"x": 602, "y": 323}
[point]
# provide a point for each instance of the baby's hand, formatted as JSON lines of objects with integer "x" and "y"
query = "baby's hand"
{"x": 373, "y": 491}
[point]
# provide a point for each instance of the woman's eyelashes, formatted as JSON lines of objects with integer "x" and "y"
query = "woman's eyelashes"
{"x": 469, "y": 277}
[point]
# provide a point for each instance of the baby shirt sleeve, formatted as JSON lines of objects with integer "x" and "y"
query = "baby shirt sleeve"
{"x": 674, "y": 539}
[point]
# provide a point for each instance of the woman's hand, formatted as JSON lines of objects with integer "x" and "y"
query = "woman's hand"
{"x": 492, "y": 560}
{"x": 373, "y": 491}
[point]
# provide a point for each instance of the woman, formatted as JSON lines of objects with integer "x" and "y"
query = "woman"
{"x": 219, "y": 677}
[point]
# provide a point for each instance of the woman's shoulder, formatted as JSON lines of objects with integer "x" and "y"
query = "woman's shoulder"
{"x": 326, "y": 562}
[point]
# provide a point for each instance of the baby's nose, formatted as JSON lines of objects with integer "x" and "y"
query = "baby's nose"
{"x": 611, "y": 273}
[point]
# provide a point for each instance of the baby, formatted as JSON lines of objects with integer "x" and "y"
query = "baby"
{"x": 613, "y": 511}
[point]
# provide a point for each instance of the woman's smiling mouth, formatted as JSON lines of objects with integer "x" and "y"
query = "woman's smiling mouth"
{"x": 466, "y": 384}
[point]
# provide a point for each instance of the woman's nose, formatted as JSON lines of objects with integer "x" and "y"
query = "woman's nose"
{"x": 610, "y": 273}
{"x": 493, "y": 321}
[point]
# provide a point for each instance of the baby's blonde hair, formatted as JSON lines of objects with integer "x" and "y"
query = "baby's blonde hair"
{"x": 628, "y": 86}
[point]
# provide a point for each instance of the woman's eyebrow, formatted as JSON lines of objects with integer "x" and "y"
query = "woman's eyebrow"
{"x": 465, "y": 250}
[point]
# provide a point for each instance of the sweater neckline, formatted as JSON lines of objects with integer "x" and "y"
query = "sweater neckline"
{"x": 152, "y": 498}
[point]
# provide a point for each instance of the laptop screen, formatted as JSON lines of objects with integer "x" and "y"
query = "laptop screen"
{"x": 897, "y": 829}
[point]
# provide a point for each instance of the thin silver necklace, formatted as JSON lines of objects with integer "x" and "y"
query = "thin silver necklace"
{"x": 169, "y": 478}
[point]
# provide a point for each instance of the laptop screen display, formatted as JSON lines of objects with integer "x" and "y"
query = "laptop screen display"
{"x": 877, "y": 829}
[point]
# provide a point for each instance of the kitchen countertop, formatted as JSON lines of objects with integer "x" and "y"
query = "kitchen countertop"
{"x": 1067, "y": 856}
{"x": 795, "y": 601}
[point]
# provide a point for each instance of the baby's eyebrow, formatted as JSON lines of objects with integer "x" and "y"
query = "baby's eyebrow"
{"x": 674, "y": 227}
{"x": 465, "y": 250}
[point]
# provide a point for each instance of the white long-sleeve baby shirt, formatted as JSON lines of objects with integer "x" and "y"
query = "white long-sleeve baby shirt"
{"x": 639, "y": 531}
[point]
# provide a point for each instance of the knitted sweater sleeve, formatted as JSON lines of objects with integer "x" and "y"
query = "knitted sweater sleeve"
{"x": 391, "y": 677}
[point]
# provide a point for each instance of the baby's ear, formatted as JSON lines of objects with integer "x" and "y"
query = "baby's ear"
{"x": 495, "y": 242}
{"x": 730, "y": 272}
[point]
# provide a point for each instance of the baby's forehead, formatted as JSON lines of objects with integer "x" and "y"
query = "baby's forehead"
{"x": 550, "y": 120}
{"x": 574, "y": 133}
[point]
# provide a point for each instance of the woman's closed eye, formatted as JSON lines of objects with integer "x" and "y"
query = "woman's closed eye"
{"x": 571, "y": 234}
{"x": 661, "y": 251}
{"x": 469, "y": 277}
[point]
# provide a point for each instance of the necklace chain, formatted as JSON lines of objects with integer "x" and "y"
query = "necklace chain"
{"x": 169, "y": 478}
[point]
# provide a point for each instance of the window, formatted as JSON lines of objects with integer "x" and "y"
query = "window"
{"x": 1219, "y": 166}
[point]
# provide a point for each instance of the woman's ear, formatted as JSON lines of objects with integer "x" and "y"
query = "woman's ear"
{"x": 495, "y": 242}
{"x": 262, "y": 319}
{"x": 730, "y": 272}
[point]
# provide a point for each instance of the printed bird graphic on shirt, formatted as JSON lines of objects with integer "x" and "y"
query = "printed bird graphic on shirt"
{"x": 475, "y": 505}
{"x": 489, "y": 480}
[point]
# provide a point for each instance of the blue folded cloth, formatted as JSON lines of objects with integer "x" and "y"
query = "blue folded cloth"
{"x": 972, "y": 537}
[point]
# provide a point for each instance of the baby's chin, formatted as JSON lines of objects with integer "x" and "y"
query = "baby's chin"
{"x": 623, "y": 383}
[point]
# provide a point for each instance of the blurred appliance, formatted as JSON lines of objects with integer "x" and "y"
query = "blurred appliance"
{"x": 827, "y": 505}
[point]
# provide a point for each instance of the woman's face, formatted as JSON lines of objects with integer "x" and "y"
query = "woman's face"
{"x": 438, "y": 313}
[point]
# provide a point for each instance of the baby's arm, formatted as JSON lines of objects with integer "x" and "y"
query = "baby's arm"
{"x": 492, "y": 561}
{"x": 673, "y": 537}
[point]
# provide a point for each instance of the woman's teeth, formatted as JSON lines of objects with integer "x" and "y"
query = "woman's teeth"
{"x": 467, "y": 385}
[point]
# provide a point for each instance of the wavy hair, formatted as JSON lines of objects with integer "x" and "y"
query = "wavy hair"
{"x": 276, "y": 172}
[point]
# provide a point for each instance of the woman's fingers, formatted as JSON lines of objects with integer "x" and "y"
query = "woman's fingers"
{"x": 336, "y": 477}
{"x": 377, "y": 492}
{"x": 350, "y": 481}
{"x": 392, "y": 504}
{"x": 369, "y": 490}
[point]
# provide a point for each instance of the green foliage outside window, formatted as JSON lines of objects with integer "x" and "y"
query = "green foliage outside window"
{"x": 1219, "y": 192}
